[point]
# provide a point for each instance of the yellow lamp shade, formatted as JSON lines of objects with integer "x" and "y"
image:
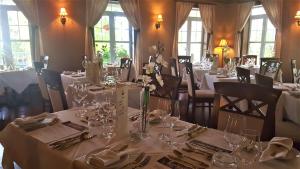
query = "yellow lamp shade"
{"x": 223, "y": 43}
{"x": 63, "y": 12}
{"x": 159, "y": 18}
{"x": 297, "y": 16}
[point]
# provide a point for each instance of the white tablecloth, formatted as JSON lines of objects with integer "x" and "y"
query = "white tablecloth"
{"x": 133, "y": 75}
{"x": 253, "y": 69}
{"x": 30, "y": 152}
{"x": 17, "y": 80}
{"x": 71, "y": 78}
{"x": 199, "y": 75}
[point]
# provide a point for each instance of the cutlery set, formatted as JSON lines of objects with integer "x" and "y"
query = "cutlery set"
{"x": 193, "y": 132}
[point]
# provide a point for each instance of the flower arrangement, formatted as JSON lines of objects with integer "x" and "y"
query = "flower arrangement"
{"x": 153, "y": 68}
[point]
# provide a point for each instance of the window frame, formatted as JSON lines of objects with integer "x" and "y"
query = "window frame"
{"x": 262, "y": 41}
{"x": 112, "y": 32}
{"x": 6, "y": 38}
{"x": 188, "y": 42}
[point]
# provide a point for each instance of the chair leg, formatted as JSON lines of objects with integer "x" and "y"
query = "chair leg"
{"x": 209, "y": 114}
{"x": 188, "y": 108}
{"x": 193, "y": 111}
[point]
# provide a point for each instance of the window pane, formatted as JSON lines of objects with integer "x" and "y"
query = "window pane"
{"x": 12, "y": 17}
{"x": 182, "y": 49}
{"x": 182, "y": 34}
{"x": 195, "y": 13}
{"x": 114, "y": 7}
{"x": 21, "y": 53}
{"x": 104, "y": 48}
{"x": 196, "y": 31}
{"x": 101, "y": 29}
{"x": 269, "y": 50}
{"x": 258, "y": 10}
{"x": 14, "y": 32}
{"x": 122, "y": 50}
{"x": 7, "y": 2}
{"x": 254, "y": 49}
{"x": 121, "y": 28}
{"x": 271, "y": 32}
{"x": 22, "y": 19}
{"x": 24, "y": 32}
{"x": 256, "y": 30}
{"x": 195, "y": 52}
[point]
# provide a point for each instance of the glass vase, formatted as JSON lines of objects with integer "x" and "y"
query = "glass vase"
{"x": 145, "y": 109}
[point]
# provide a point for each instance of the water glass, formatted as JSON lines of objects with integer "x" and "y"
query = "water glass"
{"x": 249, "y": 149}
{"x": 232, "y": 131}
{"x": 224, "y": 160}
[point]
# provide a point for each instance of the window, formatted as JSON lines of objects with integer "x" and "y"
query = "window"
{"x": 15, "y": 50}
{"x": 191, "y": 37}
{"x": 114, "y": 35}
{"x": 261, "y": 34}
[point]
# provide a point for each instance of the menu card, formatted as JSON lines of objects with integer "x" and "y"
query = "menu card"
{"x": 121, "y": 127}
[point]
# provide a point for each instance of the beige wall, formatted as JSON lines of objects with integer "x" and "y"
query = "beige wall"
{"x": 63, "y": 44}
{"x": 290, "y": 37}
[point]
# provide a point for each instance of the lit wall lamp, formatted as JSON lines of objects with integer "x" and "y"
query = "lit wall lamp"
{"x": 158, "y": 21}
{"x": 297, "y": 17}
{"x": 63, "y": 13}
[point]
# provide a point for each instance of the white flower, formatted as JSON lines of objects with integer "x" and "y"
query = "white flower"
{"x": 153, "y": 49}
{"x": 159, "y": 59}
{"x": 149, "y": 68}
{"x": 152, "y": 87}
{"x": 146, "y": 79}
{"x": 159, "y": 79}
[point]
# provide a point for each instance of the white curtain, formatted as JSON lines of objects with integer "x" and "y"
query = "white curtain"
{"x": 182, "y": 12}
{"x": 131, "y": 9}
{"x": 207, "y": 13}
{"x": 242, "y": 16}
{"x": 94, "y": 11}
{"x": 30, "y": 10}
{"x": 273, "y": 9}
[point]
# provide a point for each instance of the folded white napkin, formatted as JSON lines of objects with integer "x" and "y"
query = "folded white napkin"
{"x": 31, "y": 119}
{"x": 68, "y": 72}
{"x": 278, "y": 147}
{"x": 108, "y": 157}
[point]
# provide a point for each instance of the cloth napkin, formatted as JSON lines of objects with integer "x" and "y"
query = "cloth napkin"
{"x": 278, "y": 147}
{"x": 31, "y": 119}
{"x": 155, "y": 116}
{"x": 108, "y": 157}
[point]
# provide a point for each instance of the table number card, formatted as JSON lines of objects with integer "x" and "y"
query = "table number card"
{"x": 121, "y": 111}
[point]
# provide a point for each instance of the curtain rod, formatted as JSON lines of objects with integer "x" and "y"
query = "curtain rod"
{"x": 196, "y": 2}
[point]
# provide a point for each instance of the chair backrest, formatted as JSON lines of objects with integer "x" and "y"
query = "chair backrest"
{"x": 169, "y": 90}
{"x": 294, "y": 70}
{"x": 38, "y": 66}
{"x": 181, "y": 60}
{"x": 237, "y": 61}
{"x": 55, "y": 89}
{"x": 264, "y": 65}
{"x": 264, "y": 80}
{"x": 243, "y": 75}
{"x": 125, "y": 65}
{"x": 272, "y": 69}
{"x": 245, "y": 58}
{"x": 190, "y": 79}
{"x": 43, "y": 87}
{"x": 260, "y": 115}
{"x": 173, "y": 66}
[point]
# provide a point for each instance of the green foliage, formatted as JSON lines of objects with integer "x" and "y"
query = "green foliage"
{"x": 121, "y": 53}
{"x": 105, "y": 51}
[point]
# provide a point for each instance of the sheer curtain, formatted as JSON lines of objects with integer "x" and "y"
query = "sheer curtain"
{"x": 131, "y": 9}
{"x": 94, "y": 11}
{"x": 273, "y": 9}
{"x": 182, "y": 12}
{"x": 30, "y": 10}
{"x": 242, "y": 16}
{"x": 207, "y": 13}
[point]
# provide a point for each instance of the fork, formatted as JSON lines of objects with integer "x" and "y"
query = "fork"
{"x": 143, "y": 163}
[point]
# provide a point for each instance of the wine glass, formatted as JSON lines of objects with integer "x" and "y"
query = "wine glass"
{"x": 232, "y": 131}
{"x": 249, "y": 149}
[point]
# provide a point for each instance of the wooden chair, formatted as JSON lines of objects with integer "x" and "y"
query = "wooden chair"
{"x": 168, "y": 91}
{"x": 55, "y": 90}
{"x": 262, "y": 80}
{"x": 294, "y": 71}
{"x": 264, "y": 64}
{"x": 237, "y": 61}
{"x": 256, "y": 117}
{"x": 181, "y": 60}
{"x": 245, "y": 58}
{"x": 125, "y": 66}
{"x": 197, "y": 96}
{"x": 173, "y": 67}
{"x": 243, "y": 75}
{"x": 272, "y": 69}
{"x": 43, "y": 87}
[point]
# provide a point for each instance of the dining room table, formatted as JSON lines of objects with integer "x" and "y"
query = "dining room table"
{"x": 32, "y": 150}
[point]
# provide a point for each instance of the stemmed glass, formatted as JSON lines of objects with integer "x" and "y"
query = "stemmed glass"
{"x": 173, "y": 120}
{"x": 232, "y": 131}
{"x": 249, "y": 149}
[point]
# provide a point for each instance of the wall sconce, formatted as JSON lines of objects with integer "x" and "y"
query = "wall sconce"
{"x": 158, "y": 21}
{"x": 297, "y": 17}
{"x": 63, "y": 13}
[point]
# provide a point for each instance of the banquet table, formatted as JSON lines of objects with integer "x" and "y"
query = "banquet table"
{"x": 70, "y": 78}
{"x": 112, "y": 68}
{"x": 108, "y": 92}
{"x": 17, "y": 80}
{"x": 30, "y": 151}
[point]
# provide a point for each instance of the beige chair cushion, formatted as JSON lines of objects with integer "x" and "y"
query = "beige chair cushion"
{"x": 56, "y": 101}
{"x": 43, "y": 87}
{"x": 184, "y": 83}
{"x": 204, "y": 93}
